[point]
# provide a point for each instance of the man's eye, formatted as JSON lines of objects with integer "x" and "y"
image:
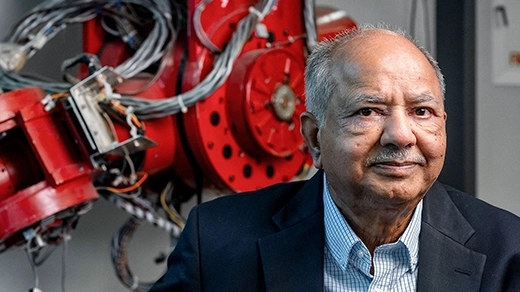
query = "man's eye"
{"x": 422, "y": 111}
{"x": 366, "y": 112}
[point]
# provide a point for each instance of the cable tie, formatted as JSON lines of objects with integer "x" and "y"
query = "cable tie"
{"x": 49, "y": 103}
{"x": 135, "y": 284}
{"x": 108, "y": 90}
{"x": 139, "y": 213}
{"x": 184, "y": 109}
{"x": 261, "y": 31}
{"x": 129, "y": 111}
{"x": 115, "y": 96}
{"x": 129, "y": 208}
{"x": 255, "y": 11}
{"x": 160, "y": 222}
{"x": 46, "y": 99}
{"x": 149, "y": 217}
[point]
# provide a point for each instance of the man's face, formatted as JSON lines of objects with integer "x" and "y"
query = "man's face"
{"x": 384, "y": 140}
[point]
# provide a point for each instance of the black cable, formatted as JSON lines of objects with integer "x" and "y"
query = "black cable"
{"x": 119, "y": 258}
{"x": 198, "y": 174}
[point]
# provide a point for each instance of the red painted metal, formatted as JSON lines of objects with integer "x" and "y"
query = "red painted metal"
{"x": 113, "y": 52}
{"x": 262, "y": 125}
{"x": 45, "y": 172}
{"x": 160, "y": 157}
{"x": 237, "y": 153}
{"x": 244, "y": 136}
{"x": 331, "y": 20}
{"x": 14, "y": 153}
{"x": 236, "y": 139}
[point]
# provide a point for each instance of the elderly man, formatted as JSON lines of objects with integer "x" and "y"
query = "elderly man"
{"x": 373, "y": 218}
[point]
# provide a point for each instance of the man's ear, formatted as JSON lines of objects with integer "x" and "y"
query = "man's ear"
{"x": 310, "y": 132}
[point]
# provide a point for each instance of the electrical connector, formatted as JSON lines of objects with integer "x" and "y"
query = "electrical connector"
{"x": 12, "y": 57}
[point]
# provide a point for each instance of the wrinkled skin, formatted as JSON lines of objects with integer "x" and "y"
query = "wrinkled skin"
{"x": 384, "y": 139}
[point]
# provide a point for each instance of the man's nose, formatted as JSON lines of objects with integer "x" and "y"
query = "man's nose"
{"x": 397, "y": 131}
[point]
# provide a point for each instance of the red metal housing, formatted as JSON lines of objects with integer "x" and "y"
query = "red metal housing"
{"x": 42, "y": 173}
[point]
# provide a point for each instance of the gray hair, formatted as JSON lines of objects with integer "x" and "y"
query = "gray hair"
{"x": 319, "y": 82}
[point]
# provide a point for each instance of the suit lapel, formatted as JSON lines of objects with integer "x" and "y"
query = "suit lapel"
{"x": 292, "y": 259}
{"x": 445, "y": 264}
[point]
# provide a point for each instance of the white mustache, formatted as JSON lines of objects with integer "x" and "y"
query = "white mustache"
{"x": 388, "y": 155}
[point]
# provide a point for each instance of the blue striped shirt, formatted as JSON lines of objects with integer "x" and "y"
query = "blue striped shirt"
{"x": 347, "y": 260}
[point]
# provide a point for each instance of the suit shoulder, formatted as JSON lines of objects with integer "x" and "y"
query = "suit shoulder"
{"x": 481, "y": 213}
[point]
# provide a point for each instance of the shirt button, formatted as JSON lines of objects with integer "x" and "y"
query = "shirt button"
{"x": 361, "y": 254}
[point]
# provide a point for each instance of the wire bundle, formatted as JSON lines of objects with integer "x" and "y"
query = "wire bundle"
{"x": 42, "y": 240}
{"x": 118, "y": 254}
{"x": 141, "y": 210}
{"x": 52, "y": 16}
{"x": 222, "y": 66}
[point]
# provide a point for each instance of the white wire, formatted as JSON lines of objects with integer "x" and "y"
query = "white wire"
{"x": 222, "y": 66}
{"x": 309, "y": 15}
{"x": 133, "y": 175}
{"x": 155, "y": 47}
{"x": 66, "y": 237}
{"x": 30, "y": 256}
{"x": 199, "y": 31}
{"x": 33, "y": 267}
{"x": 52, "y": 16}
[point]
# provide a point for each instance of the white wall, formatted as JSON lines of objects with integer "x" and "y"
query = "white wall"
{"x": 394, "y": 12}
{"x": 498, "y": 123}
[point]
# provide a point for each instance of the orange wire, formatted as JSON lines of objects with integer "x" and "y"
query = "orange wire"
{"x": 144, "y": 175}
{"x": 122, "y": 110}
{"x": 116, "y": 105}
{"x": 58, "y": 95}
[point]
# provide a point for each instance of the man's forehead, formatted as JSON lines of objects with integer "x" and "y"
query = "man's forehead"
{"x": 346, "y": 71}
{"x": 366, "y": 97}
{"x": 359, "y": 43}
{"x": 354, "y": 70}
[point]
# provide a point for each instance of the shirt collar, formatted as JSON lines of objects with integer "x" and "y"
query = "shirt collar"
{"x": 340, "y": 238}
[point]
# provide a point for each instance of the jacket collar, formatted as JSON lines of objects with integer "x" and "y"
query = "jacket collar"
{"x": 292, "y": 259}
{"x": 445, "y": 264}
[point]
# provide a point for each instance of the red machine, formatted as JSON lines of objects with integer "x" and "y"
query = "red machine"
{"x": 42, "y": 175}
{"x": 58, "y": 149}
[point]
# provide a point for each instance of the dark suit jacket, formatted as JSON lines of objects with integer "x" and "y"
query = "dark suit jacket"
{"x": 273, "y": 240}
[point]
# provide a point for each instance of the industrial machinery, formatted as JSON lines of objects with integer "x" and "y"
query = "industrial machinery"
{"x": 199, "y": 95}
